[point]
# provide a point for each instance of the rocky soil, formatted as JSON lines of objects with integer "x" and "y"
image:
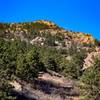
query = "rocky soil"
{"x": 48, "y": 86}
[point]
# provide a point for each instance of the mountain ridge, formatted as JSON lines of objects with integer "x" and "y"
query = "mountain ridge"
{"x": 41, "y": 25}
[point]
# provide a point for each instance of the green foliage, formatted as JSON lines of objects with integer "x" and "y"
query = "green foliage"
{"x": 36, "y": 26}
{"x": 74, "y": 66}
{"x": 88, "y": 44}
{"x": 54, "y": 60}
{"x": 6, "y": 91}
{"x": 29, "y": 65}
{"x": 91, "y": 82}
{"x": 97, "y": 42}
{"x": 50, "y": 40}
{"x": 51, "y": 58}
{"x": 17, "y": 59}
{"x": 52, "y": 65}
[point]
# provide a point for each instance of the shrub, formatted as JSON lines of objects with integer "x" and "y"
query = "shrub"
{"x": 91, "y": 82}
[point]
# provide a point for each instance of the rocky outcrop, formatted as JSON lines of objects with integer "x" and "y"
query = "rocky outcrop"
{"x": 38, "y": 40}
{"x": 48, "y": 86}
{"x": 89, "y": 61}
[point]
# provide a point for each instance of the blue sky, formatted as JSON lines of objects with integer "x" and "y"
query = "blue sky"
{"x": 76, "y": 15}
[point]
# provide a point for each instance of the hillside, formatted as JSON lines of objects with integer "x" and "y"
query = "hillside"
{"x": 42, "y": 61}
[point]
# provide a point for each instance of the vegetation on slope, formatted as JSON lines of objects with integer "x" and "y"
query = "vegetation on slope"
{"x": 29, "y": 48}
